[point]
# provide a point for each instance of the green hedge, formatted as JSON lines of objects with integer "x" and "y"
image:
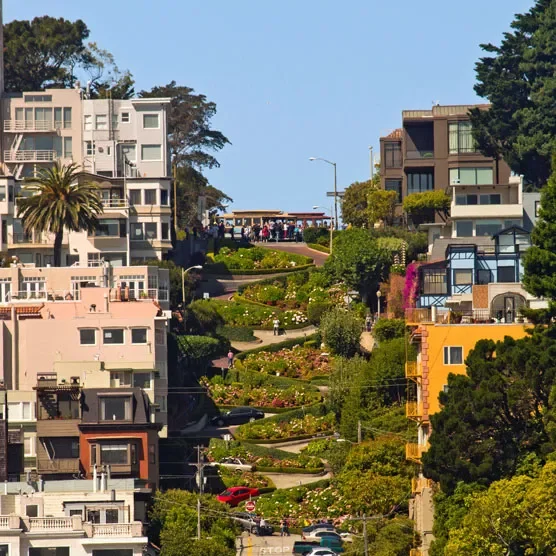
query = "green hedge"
{"x": 289, "y": 439}
{"x": 254, "y": 379}
{"x": 286, "y": 344}
{"x": 318, "y": 410}
{"x": 317, "y": 247}
{"x": 291, "y": 470}
{"x": 273, "y": 410}
{"x": 236, "y": 333}
{"x": 199, "y": 347}
{"x": 280, "y": 279}
{"x": 219, "y": 269}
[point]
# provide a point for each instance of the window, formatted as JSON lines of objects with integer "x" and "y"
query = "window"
{"x": 32, "y": 510}
{"x": 76, "y": 512}
{"x": 137, "y": 232}
{"x": 101, "y": 122}
{"x": 135, "y": 197}
{"x": 466, "y": 199}
{"x": 453, "y": 355}
{"x": 150, "y": 121}
{"x": 164, "y": 197}
{"x": 124, "y": 117}
{"x": 115, "y": 454}
{"x": 150, "y": 196}
{"x": 115, "y": 408}
{"x": 464, "y": 228}
{"x": 113, "y": 336}
{"x": 112, "y": 552}
{"x": 151, "y": 231}
{"x": 159, "y": 337}
{"x": 93, "y": 516}
{"x": 87, "y": 336}
{"x": 2, "y": 192}
{"x": 506, "y": 274}
{"x": 142, "y": 380}
{"x": 537, "y": 208}
{"x": 68, "y": 147}
{"x": 434, "y": 281}
{"x": 165, "y": 230}
{"x": 87, "y": 122}
{"x": 162, "y": 369}
{"x": 90, "y": 148}
{"x": 120, "y": 379}
{"x": 484, "y": 276}
{"x": 460, "y": 138}
{"x": 129, "y": 152}
{"x": 471, "y": 176}
{"x": 152, "y": 453}
{"x": 392, "y": 154}
{"x": 396, "y": 186}
{"x": 151, "y": 152}
{"x": 490, "y": 199}
{"x": 19, "y": 411}
{"x": 487, "y": 227}
{"x": 418, "y": 182}
{"x": 138, "y": 335}
{"x": 111, "y": 516}
{"x": 463, "y": 277}
{"x": 37, "y": 98}
{"x": 110, "y": 227}
{"x": 67, "y": 118}
{"x": 29, "y": 446}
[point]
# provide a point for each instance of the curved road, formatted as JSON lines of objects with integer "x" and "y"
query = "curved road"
{"x": 297, "y": 248}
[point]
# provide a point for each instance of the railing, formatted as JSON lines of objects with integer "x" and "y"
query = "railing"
{"x": 50, "y": 523}
{"x": 113, "y": 530}
{"x": 414, "y": 451}
{"x": 412, "y": 369}
{"x": 23, "y": 238}
{"x": 115, "y": 203}
{"x": 38, "y": 125}
{"x": 30, "y": 156}
{"x": 124, "y": 294}
{"x": 413, "y": 409}
{"x": 417, "y": 154}
{"x": 69, "y": 465}
{"x": 4, "y": 522}
{"x": 475, "y": 316}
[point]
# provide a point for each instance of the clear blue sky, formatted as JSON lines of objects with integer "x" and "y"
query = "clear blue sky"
{"x": 295, "y": 78}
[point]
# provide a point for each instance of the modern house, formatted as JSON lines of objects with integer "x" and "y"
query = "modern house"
{"x": 120, "y": 144}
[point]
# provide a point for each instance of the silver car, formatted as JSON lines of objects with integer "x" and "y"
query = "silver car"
{"x": 237, "y": 464}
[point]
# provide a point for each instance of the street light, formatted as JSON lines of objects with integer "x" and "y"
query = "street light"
{"x": 378, "y": 296}
{"x": 331, "y": 229}
{"x": 312, "y": 159}
{"x": 183, "y": 273}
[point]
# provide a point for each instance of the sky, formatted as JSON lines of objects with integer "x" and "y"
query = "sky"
{"x": 294, "y": 79}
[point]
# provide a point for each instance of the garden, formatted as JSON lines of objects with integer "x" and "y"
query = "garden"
{"x": 260, "y": 259}
{"x": 297, "y": 362}
{"x": 231, "y": 478}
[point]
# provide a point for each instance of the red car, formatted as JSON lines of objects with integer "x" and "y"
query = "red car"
{"x": 234, "y": 495}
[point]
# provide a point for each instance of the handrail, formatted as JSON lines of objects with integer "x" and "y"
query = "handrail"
{"x": 30, "y": 156}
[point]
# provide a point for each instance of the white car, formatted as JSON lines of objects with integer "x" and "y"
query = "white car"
{"x": 321, "y": 552}
{"x": 237, "y": 464}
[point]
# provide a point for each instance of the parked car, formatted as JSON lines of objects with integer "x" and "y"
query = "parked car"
{"x": 234, "y": 495}
{"x": 237, "y": 464}
{"x": 323, "y": 534}
{"x": 322, "y": 552}
{"x": 237, "y": 416}
{"x": 252, "y": 523}
{"x": 315, "y": 526}
{"x": 306, "y": 547}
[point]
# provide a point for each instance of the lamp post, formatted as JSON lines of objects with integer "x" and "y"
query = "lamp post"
{"x": 312, "y": 159}
{"x": 331, "y": 228}
{"x": 183, "y": 273}
{"x": 378, "y": 296}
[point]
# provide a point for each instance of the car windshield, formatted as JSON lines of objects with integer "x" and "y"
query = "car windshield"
{"x": 227, "y": 493}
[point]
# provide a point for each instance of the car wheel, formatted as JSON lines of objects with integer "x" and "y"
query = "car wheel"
{"x": 252, "y": 419}
{"x": 220, "y": 422}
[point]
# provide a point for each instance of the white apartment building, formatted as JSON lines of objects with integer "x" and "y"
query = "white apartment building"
{"x": 101, "y": 517}
{"x": 120, "y": 144}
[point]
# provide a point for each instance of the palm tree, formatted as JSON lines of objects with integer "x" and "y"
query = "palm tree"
{"x": 60, "y": 201}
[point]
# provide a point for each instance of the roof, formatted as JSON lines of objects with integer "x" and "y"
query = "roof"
{"x": 25, "y": 311}
{"x": 441, "y": 244}
{"x": 396, "y": 134}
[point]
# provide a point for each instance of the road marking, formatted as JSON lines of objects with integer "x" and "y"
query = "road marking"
{"x": 249, "y": 547}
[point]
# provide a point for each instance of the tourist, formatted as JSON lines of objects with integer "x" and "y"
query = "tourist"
{"x": 230, "y": 359}
{"x": 368, "y": 323}
{"x": 276, "y": 326}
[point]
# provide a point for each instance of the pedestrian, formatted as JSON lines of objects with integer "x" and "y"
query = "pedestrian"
{"x": 283, "y": 527}
{"x": 368, "y": 323}
{"x": 276, "y": 326}
{"x": 230, "y": 359}
{"x": 286, "y": 527}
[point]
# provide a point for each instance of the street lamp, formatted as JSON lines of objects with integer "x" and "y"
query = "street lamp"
{"x": 331, "y": 228}
{"x": 183, "y": 273}
{"x": 312, "y": 159}
{"x": 378, "y": 296}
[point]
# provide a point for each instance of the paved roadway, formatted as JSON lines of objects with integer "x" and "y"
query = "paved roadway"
{"x": 251, "y": 545}
{"x": 299, "y": 249}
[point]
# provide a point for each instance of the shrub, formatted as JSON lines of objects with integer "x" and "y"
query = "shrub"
{"x": 389, "y": 329}
{"x": 202, "y": 317}
{"x": 318, "y": 247}
{"x": 236, "y": 333}
{"x": 199, "y": 348}
{"x": 316, "y": 309}
{"x": 341, "y": 331}
{"x": 312, "y": 234}
{"x": 273, "y": 348}
{"x": 258, "y": 258}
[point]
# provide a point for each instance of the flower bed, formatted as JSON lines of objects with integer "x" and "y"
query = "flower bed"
{"x": 261, "y": 397}
{"x": 269, "y": 429}
{"x": 258, "y": 258}
{"x": 297, "y": 362}
{"x": 231, "y": 478}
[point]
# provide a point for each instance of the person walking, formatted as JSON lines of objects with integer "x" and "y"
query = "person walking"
{"x": 368, "y": 323}
{"x": 276, "y": 327}
{"x": 230, "y": 359}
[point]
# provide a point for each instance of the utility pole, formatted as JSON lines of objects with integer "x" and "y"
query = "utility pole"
{"x": 365, "y": 540}
{"x": 372, "y": 163}
{"x": 175, "y": 176}
{"x": 359, "y": 435}
{"x": 335, "y": 198}
{"x": 200, "y": 476}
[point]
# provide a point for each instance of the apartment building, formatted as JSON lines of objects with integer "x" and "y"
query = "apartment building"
{"x": 100, "y": 517}
{"x": 434, "y": 150}
{"x": 85, "y": 367}
{"x": 120, "y": 144}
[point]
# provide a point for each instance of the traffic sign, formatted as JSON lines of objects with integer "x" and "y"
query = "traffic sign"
{"x": 250, "y": 506}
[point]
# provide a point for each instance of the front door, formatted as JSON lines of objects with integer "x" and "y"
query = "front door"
{"x": 509, "y": 309}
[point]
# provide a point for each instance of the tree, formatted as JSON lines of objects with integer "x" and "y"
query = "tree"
{"x": 392, "y": 537}
{"x": 189, "y": 130}
{"x": 389, "y": 329}
{"x": 359, "y": 261}
{"x": 58, "y": 202}
{"x": 381, "y": 206}
{"x": 517, "y": 78}
{"x": 422, "y": 206}
{"x": 355, "y": 204}
{"x": 341, "y": 331}
{"x": 539, "y": 261}
{"x": 497, "y": 414}
{"x": 43, "y": 52}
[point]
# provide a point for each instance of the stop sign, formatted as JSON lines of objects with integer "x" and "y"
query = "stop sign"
{"x": 250, "y": 506}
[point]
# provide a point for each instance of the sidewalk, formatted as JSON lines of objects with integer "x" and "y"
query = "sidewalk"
{"x": 268, "y": 338}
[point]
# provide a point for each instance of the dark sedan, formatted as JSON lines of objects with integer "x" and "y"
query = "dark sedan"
{"x": 237, "y": 416}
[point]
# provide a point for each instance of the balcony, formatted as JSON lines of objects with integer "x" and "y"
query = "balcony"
{"x": 151, "y": 294}
{"x": 439, "y": 315}
{"x": 55, "y": 466}
{"x": 414, "y": 451}
{"x": 18, "y": 126}
{"x": 420, "y": 483}
{"x": 413, "y": 410}
{"x": 413, "y": 370}
{"x": 419, "y": 154}
{"x": 108, "y": 204}
{"x": 30, "y": 156}
{"x": 57, "y": 427}
{"x": 505, "y": 211}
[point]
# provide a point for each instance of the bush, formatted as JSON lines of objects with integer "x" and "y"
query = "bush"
{"x": 199, "y": 348}
{"x": 236, "y": 333}
{"x": 341, "y": 331}
{"x": 318, "y": 247}
{"x": 281, "y": 345}
{"x": 258, "y": 258}
{"x": 312, "y": 234}
{"x": 315, "y": 311}
{"x": 389, "y": 329}
{"x": 202, "y": 318}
